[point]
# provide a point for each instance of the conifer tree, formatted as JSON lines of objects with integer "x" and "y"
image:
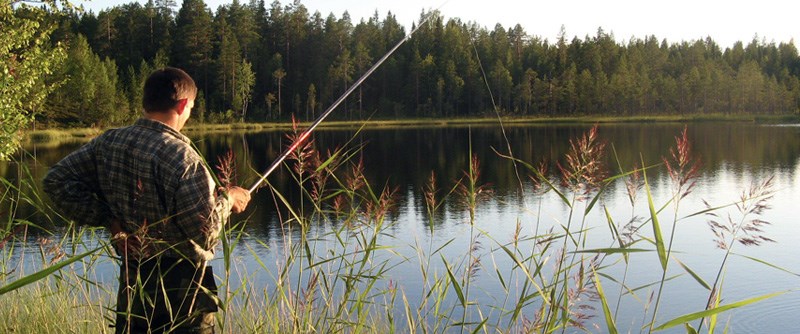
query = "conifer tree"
{"x": 191, "y": 49}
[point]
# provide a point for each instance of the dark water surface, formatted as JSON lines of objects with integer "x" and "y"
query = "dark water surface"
{"x": 733, "y": 155}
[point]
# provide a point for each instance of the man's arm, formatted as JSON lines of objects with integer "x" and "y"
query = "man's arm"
{"x": 202, "y": 212}
{"x": 73, "y": 186}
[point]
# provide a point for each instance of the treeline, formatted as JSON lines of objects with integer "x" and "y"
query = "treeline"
{"x": 260, "y": 62}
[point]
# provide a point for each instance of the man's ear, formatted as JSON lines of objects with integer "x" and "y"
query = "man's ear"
{"x": 181, "y": 106}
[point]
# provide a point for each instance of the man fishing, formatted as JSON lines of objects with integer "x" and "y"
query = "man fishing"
{"x": 152, "y": 190}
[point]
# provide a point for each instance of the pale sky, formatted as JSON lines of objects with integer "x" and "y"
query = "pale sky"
{"x": 676, "y": 20}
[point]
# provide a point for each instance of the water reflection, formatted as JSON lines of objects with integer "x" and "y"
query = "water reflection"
{"x": 732, "y": 155}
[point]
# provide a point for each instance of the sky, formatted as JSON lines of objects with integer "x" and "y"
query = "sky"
{"x": 678, "y": 20}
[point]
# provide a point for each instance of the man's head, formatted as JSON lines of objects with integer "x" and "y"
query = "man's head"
{"x": 169, "y": 89}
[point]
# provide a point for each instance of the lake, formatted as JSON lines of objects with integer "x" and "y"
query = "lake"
{"x": 733, "y": 156}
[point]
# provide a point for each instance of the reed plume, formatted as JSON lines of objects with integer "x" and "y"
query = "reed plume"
{"x": 747, "y": 230}
{"x": 684, "y": 167}
{"x": 583, "y": 168}
{"x": 683, "y": 170}
{"x": 226, "y": 169}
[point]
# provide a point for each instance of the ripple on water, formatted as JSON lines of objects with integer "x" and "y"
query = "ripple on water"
{"x": 774, "y": 315}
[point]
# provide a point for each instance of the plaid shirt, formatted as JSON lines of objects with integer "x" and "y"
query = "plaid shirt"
{"x": 147, "y": 177}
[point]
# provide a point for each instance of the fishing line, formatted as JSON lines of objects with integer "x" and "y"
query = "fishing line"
{"x": 499, "y": 119}
{"x": 304, "y": 135}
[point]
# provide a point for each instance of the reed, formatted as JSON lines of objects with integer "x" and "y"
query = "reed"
{"x": 332, "y": 269}
{"x": 53, "y": 308}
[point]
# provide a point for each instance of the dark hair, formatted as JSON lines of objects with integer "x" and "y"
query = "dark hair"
{"x": 165, "y": 87}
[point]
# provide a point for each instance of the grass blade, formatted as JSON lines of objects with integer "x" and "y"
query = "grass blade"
{"x": 610, "y": 325}
{"x": 539, "y": 175}
{"x": 767, "y": 264}
{"x": 480, "y": 326}
{"x": 525, "y": 270}
{"x": 615, "y": 232}
{"x": 702, "y": 314}
{"x": 694, "y": 275}
{"x": 712, "y": 320}
{"x": 45, "y": 272}
{"x": 613, "y": 250}
{"x": 659, "y": 240}
{"x": 595, "y": 199}
{"x": 456, "y": 286}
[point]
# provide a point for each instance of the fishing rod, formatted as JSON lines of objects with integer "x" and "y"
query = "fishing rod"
{"x": 304, "y": 135}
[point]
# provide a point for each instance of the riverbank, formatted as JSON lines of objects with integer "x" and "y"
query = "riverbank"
{"x": 57, "y": 136}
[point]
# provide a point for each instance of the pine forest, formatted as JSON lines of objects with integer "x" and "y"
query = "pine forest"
{"x": 259, "y": 62}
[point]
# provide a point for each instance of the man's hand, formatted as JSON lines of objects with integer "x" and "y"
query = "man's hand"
{"x": 239, "y": 197}
{"x": 126, "y": 244}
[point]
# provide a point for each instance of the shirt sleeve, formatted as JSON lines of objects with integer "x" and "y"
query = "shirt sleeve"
{"x": 202, "y": 213}
{"x": 73, "y": 186}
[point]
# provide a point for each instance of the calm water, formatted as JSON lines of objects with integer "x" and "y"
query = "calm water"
{"x": 733, "y": 155}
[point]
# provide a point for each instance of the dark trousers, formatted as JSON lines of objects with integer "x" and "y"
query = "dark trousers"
{"x": 165, "y": 295}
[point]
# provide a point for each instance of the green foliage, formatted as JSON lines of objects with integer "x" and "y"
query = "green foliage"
{"x": 26, "y": 59}
{"x": 89, "y": 95}
{"x": 448, "y": 69}
{"x": 245, "y": 80}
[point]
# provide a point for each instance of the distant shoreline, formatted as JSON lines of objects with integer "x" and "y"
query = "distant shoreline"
{"x": 61, "y": 135}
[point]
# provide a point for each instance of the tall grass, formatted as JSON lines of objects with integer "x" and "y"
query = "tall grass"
{"x": 333, "y": 269}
